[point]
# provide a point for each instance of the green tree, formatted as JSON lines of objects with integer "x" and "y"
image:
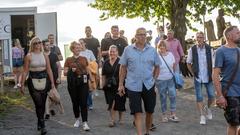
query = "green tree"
{"x": 180, "y": 13}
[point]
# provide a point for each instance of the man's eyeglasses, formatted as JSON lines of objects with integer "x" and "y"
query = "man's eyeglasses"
{"x": 141, "y": 34}
{"x": 35, "y": 43}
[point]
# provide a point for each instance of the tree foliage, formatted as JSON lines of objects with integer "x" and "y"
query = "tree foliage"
{"x": 155, "y": 9}
{"x": 180, "y": 13}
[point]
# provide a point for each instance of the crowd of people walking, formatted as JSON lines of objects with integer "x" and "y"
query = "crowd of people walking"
{"x": 136, "y": 72}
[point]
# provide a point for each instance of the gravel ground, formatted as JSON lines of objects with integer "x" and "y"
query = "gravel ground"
{"x": 22, "y": 121}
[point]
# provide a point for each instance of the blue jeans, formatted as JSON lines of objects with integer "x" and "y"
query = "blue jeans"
{"x": 89, "y": 99}
{"x": 198, "y": 90}
{"x": 167, "y": 88}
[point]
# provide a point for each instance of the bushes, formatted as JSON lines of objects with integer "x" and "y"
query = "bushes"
{"x": 12, "y": 98}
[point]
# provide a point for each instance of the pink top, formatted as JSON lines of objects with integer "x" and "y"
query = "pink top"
{"x": 17, "y": 53}
{"x": 175, "y": 47}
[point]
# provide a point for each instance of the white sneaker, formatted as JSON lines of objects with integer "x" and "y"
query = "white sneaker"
{"x": 85, "y": 126}
{"x": 76, "y": 124}
{"x": 96, "y": 94}
{"x": 18, "y": 85}
{"x": 209, "y": 114}
{"x": 15, "y": 87}
{"x": 202, "y": 120}
{"x": 90, "y": 107}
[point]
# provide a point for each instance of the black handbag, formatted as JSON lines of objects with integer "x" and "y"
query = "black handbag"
{"x": 112, "y": 81}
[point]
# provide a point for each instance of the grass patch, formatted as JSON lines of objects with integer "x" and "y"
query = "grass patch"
{"x": 12, "y": 98}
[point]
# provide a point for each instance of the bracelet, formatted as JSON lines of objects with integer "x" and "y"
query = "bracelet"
{"x": 220, "y": 97}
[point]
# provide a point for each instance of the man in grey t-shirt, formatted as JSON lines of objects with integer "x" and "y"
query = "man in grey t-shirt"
{"x": 228, "y": 94}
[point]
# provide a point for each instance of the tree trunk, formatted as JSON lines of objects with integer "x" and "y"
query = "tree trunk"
{"x": 178, "y": 21}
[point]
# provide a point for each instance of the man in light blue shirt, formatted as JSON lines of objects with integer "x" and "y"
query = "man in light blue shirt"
{"x": 140, "y": 65}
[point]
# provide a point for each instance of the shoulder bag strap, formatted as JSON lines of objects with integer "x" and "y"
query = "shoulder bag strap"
{"x": 167, "y": 64}
{"x": 78, "y": 64}
{"x": 115, "y": 68}
{"x": 229, "y": 83}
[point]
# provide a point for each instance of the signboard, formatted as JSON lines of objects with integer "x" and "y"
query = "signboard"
{"x": 6, "y": 58}
{"x": 67, "y": 51}
{"x": 5, "y": 26}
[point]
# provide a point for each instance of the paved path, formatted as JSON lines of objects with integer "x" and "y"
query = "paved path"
{"x": 21, "y": 121}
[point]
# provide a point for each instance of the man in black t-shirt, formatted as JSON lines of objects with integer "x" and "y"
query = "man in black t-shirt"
{"x": 92, "y": 43}
{"x": 54, "y": 48}
{"x": 113, "y": 40}
{"x": 56, "y": 70}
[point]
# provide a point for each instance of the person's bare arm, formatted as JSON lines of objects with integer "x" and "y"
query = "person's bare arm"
{"x": 103, "y": 80}
{"x": 122, "y": 75}
{"x": 189, "y": 66}
{"x": 104, "y": 53}
{"x": 99, "y": 54}
{"x": 25, "y": 72}
{"x": 65, "y": 70}
{"x": 217, "y": 85}
{"x": 99, "y": 57}
{"x": 59, "y": 72}
{"x": 156, "y": 71}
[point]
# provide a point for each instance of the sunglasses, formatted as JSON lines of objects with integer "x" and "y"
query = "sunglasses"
{"x": 141, "y": 34}
{"x": 35, "y": 43}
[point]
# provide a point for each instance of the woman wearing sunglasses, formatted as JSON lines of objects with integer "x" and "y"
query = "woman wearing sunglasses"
{"x": 40, "y": 79}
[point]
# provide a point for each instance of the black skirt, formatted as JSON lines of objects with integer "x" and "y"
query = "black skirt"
{"x": 111, "y": 95}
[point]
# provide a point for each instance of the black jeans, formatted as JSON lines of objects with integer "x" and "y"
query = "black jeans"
{"x": 39, "y": 98}
{"x": 78, "y": 91}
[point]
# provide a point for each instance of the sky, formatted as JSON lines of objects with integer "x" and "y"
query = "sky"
{"x": 74, "y": 15}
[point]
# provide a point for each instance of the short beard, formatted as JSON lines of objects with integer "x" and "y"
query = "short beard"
{"x": 237, "y": 41}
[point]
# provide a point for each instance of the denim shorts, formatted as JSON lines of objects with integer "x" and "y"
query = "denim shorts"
{"x": 17, "y": 62}
{"x": 199, "y": 93}
{"x": 148, "y": 97}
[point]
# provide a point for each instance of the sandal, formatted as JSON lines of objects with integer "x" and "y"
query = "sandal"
{"x": 111, "y": 124}
{"x": 174, "y": 118}
{"x": 120, "y": 122}
{"x": 164, "y": 119}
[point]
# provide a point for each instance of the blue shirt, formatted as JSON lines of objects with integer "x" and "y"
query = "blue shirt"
{"x": 226, "y": 60}
{"x": 140, "y": 65}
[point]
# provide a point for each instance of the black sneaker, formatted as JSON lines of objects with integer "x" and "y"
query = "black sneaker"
{"x": 52, "y": 112}
{"x": 47, "y": 116}
{"x": 43, "y": 131}
{"x": 153, "y": 127}
{"x": 38, "y": 125}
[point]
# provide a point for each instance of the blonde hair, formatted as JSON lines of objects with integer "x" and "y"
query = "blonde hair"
{"x": 31, "y": 46}
{"x": 170, "y": 31}
{"x": 17, "y": 43}
{"x": 162, "y": 43}
{"x": 72, "y": 45}
{"x": 113, "y": 46}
